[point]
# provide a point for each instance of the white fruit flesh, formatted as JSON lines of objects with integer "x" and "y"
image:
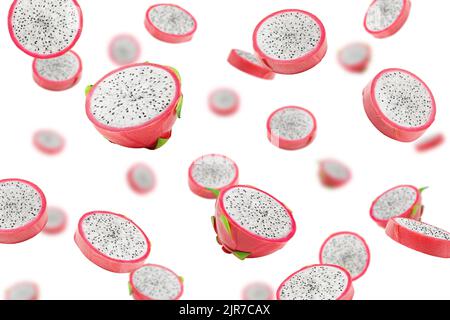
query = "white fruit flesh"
{"x": 288, "y": 35}
{"x": 394, "y": 203}
{"x": 291, "y": 124}
{"x": 19, "y": 204}
{"x": 213, "y": 171}
{"x": 171, "y": 20}
{"x": 156, "y": 283}
{"x": 257, "y": 213}
{"x": 403, "y": 99}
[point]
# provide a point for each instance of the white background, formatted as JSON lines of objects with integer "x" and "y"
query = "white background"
{"x": 90, "y": 174}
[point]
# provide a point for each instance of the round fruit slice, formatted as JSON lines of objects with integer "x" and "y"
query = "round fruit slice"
{"x": 403, "y": 201}
{"x": 112, "y": 241}
{"x": 419, "y": 236}
{"x": 137, "y": 105}
{"x": 355, "y": 57}
{"x": 317, "y": 282}
{"x": 48, "y": 142}
{"x": 23, "y": 291}
{"x": 399, "y": 104}
{"x": 141, "y": 178}
{"x": 250, "y": 63}
{"x": 57, "y": 221}
{"x": 57, "y": 74}
{"x": 347, "y": 250}
{"x": 290, "y": 41}
{"x": 22, "y": 210}
{"x": 251, "y": 223}
{"x": 170, "y": 23}
{"x": 154, "y": 282}
{"x": 210, "y": 174}
{"x": 430, "y": 143}
{"x": 334, "y": 174}
{"x": 45, "y": 28}
{"x": 224, "y": 101}
{"x": 384, "y": 18}
{"x": 124, "y": 49}
{"x": 291, "y": 128}
{"x": 257, "y": 291}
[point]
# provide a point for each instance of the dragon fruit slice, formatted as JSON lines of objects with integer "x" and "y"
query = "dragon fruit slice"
{"x": 155, "y": 282}
{"x": 317, "y": 282}
{"x": 57, "y": 221}
{"x": 22, "y": 210}
{"x": 290, "y": 41}
{"x": 48, "y": 141}
{"x": 258, "y": 291}
{"x": 334, "y": 174}
{"x": 355, "y": 57}
{"x": 250, "y": 223}
{"x": 170, "y": 23}
{"x": 137, "y": 105}
{"x": 141, "y": 178}
{"x": 347, "y": 250}
{"x": 420, "y": 236}
{"x": 124, "y": 49}
{"x": 112, "y": 241}
{"x": 430, "y": 143}
{"x": 23, "y": 291}
{"x": 250, "y": 63}
{"x": 57, "y": 74}
{"x": 45, "y": 28}
{"x": 384, "y": 18}
{"x": 224, "y": 101}
{"x": 291, "y": 128}
{"x": 403, "y": 201}
{"x": 399, "y": 104}
{"x": 210, "y": 174}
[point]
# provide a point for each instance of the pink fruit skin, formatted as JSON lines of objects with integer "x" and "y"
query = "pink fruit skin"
{"x": 248, "y": 67}
{"x": 103, "y": 261}
{"x": 32, "y": 228}
{"x": 290, "y": 144}
{"x": 348, "y": 293}
{"x": 139, "y": 296}
{"x": 386, "y": 126}
{"x": 147, "y": 134}
{"x": 133, "y": 184}
{"x": 417, "y": 241}
{"x": 222, "y": 112}
{"x": 201, "y": 190}
{"x": 47, "y": 150}
{"x": 58, "y": 85}
{"x": 34, "y": 285}
{"x": 167, "y": 37}
{"x": 358, "y": 67}
{"x": 396, "y": 26}
{"x": 41, "y": 56}
{"x": 132, "y": 39}
{"x": 357, "y": 236}
{"x": 328, "y": 181}
{"x": 433, "y": 143}
{"x": 59, "y": 229}
{"x": 301, "y": 64}
{"x": 406, "y": 214}
{"x": 242, "y": 240}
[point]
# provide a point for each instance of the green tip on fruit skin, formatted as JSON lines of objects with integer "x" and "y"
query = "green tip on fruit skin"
{"x": 176, "y": 73}
{"x": 180, "y": 106}
{"x": 214, "y": 191}
{"x": 160, "y": 143}
{"x": 226, "y": 224}
{"x": 181, "y": 279}
{"x": 130, "y": 289}
{"x": 88, "y": 89}
{"x": 241, "y": 255}
{"x": 423, "y": 189}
